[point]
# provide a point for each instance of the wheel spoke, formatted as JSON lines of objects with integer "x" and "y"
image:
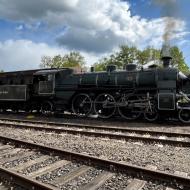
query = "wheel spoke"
{"x": 127, "y": 109}
{"x": 151, "y": 114}
{"x": 184, "y": 115}
{"x": 82, "y": 105}
{"x": 104, "y": 105}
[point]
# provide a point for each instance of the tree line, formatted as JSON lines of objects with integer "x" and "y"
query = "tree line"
{"x": 125, "y": 55}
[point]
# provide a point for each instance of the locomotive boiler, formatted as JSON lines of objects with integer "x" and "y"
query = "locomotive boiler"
{"x": 130, "y": 93}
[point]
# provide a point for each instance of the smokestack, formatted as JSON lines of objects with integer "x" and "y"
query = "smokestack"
{"x": 92, "y": 69}
{"x": 166, "y": 55}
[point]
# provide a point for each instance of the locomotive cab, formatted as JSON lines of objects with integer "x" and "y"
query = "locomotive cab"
{"x": 44, "y": 82}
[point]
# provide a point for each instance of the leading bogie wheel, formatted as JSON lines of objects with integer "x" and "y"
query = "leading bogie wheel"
{"x": 47, "y": 108}
{"x": 184, "y": 115}
{"x": 82, "y": 105}
{"x": 105, "y": 105}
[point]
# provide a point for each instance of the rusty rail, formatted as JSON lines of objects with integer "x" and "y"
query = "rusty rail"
{"x": 24, "y": 181}
{"x": 120, "y": 129}
{"x": 105, "y": 134}
{"x": 113, "y": 165}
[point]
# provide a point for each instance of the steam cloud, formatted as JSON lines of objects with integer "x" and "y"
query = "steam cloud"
{"x": 169, "y": 10}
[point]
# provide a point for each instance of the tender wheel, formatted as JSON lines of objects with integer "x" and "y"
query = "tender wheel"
{"x": 105, "y": 106}
{"x": 82, "y": 105}
{"x": 4, "y": 110}
{"x": 47, "y": 108}
{"x": 1, "y": 110}
{"x": 34, "y": 107}
{"x": 14, "y": 109}
{"x": 184, "y": 115}
{"x": 151, "y": 114}
{"x": 127, "y": 108}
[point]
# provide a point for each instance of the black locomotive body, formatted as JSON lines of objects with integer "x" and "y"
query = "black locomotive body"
{"x": 129, "y": 93}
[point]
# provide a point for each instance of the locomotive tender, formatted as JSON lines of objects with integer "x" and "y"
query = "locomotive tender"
{"x": 130, "y": 92}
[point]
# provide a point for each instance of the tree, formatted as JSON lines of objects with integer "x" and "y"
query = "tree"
{"x": 73, "y": 59}
{"x": 57, "y": 62}
{"x": 101, "y": 65}
{"x": 128, "y": 55}
{"x": 46, "y": 61}
{"x": 148, "y": 54}
{"x": 178, "y": 60}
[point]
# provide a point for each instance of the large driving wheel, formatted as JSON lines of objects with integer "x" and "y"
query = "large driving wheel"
{"x": 105, "y": 105}
{"x": 151, "y": 114}
{"x": 184, "y": 115}
{"x": 82, "y": 105}
{"x": 47, "y": 108}
{"x": 127, "y": 108}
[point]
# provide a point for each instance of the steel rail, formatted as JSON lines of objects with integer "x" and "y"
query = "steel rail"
{"x": 116, "y": 129}
{"x": 102, "y": 134}
{"x": 108, "y": 164}
{"x": 24, "y": 181}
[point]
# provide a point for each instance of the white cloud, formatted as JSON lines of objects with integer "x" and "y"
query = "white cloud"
{"x": 102, "y": 28}
{"x": 94, "y": 26}
{"x": 25, "y": 54}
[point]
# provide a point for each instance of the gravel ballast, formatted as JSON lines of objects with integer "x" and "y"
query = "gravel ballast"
{"x": 161, "y": 125}
{"x": 82, "y": 180}
{"x": 58, "y": 172}
{"x": 107, "y": 130}
{"x": 166, "y": 158}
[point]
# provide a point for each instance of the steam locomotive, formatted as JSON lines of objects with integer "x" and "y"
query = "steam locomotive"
{"x": 130, "y": 93}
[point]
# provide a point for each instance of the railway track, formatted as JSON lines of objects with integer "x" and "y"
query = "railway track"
{"x": 171, "y": 138}
{"x": 34, "y": 166}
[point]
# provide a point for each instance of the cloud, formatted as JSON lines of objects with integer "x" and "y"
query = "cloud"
{"x": 90, "y": 40}
{"x": 99, "y": 28}
{"x": 33, "y": 10}
{"x": 92, "y": 26}
{"x": 25, "y": 54}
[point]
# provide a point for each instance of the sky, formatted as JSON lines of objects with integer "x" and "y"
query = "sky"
{"x": 96, "y": 28}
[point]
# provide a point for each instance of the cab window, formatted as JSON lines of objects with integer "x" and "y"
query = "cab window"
{"x": 50, "y": 77}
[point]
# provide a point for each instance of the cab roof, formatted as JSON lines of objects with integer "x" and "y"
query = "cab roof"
{"x": 50, "y": 71}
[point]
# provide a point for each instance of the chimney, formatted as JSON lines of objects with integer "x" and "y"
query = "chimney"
{"x": 166, "y": 55}
{"x": 92, "y": 69}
